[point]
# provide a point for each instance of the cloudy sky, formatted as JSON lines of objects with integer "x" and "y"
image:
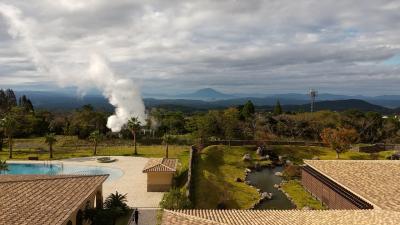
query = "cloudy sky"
{"x": 253, "y": 46}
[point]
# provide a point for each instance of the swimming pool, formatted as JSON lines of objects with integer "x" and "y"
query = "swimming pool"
{"x": 62, "y": 169}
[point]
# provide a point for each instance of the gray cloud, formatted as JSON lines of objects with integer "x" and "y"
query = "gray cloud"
{"x": 236, "y": 46}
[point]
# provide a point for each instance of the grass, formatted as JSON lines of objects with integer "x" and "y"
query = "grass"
{"x": 298, "y": 153}
{"x": 300, "y": 196}
{"x": 218, "y": 167}
{"x": 214, "y": 179}
{"x": 70, "y": 147}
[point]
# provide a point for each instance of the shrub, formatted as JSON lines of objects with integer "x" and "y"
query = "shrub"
{"x": 291, "y": 171}
{"x": 175, "y": 199}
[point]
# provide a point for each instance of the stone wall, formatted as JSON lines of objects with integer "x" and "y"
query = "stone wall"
{"x": 192, "y": 156}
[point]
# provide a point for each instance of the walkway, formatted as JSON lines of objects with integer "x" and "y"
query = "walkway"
{"x": 133, "y": 182}
{"x": 147, "y": 216}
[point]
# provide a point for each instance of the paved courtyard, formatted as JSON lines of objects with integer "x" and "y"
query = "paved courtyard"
{"x": 133, "y": 182}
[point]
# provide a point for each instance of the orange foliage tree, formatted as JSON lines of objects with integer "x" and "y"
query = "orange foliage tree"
{"x": 339, "y": 139}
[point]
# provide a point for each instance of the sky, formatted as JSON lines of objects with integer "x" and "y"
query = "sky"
{"x": 234, "y": 46}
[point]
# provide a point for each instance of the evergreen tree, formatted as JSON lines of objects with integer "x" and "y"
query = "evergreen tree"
{"x": 248, "y": 110}
{"x": 278, "y": 108}
{"x": 11, "y": 99}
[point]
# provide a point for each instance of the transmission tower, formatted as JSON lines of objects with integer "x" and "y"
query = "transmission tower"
{"x": 313, "y": 94}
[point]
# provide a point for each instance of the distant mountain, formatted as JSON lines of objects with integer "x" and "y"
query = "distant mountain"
{"x": 291, "y": 102}
{"x": 208, "y": 94}
{"x": 62, "y": 101}
{"x": 339, "y": 105}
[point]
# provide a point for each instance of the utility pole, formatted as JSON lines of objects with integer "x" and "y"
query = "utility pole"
{"x": 313, "y": 94}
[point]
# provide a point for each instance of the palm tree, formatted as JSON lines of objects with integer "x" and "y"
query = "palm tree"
{"x": 95, "y": 137}
{"x": 116, "y": 204}
{"x": 3, "y": 166}
{"x": 50, "y": 139}
{"x": 134, "y": 125}
{"x": 167, "y": 139}
{"x": 9, "y": 125}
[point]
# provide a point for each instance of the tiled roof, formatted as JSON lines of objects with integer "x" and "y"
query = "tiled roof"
{"x": 43, "y": 199}
{"x": 281, "y": 217}
{"x": 160, "y": 165}
{"x": 376, "y": 181}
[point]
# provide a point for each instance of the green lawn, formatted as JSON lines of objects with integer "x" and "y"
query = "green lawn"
{"x": 300, "y": 196}
{"x": 214, "y": 179}
{"x": 219, "y": 166}
{"x": 70, "y": 147}
{"x": 298, "y": 153}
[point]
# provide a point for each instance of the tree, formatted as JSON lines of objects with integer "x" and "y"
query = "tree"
{"x": 95, "y": 137}
{"x": 175, "y": 199}
{"x": 134, "y": 126}
{"x": 339, "y": 139}
{"x": 114, "y": 207}
{"x": 3, "y": 166}
{"x": 8, "y": 125}
{"x": 248, "y": 110}
{"x": 1, "y": 137}
{"x": 167, "y": 139}
{"x": 50, "y": 139}
{"x": 230, "y": 120}
{"x": 278, "y": 108}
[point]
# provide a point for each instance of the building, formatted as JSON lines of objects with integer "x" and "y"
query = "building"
{"x": 48, "y": 200}
{"x": 354, "y": 184}
{"x": 280, "y": 217}
{"x": 160, "y": 172}
{"x": 362, "y": 192}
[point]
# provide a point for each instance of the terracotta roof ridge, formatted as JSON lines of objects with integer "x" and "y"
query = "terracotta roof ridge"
{"x": 160, "y": 162}
{"x": 196, "y": 218}
{"x": 51, "y": 177}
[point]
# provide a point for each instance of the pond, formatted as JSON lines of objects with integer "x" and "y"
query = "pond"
{"x": 265, "y": 180}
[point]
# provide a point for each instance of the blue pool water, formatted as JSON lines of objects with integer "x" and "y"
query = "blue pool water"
{"x": 57, "y": 169}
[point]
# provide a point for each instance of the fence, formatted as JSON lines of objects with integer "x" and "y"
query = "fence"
{"x": 192, "y": 159}
{"x": 378, "y": 147}
{"x": 262, "y": 142}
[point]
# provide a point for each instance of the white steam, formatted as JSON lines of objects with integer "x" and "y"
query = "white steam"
{"x": 121, "y": 93}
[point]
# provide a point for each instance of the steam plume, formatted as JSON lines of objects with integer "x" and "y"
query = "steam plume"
{"x": 121, "y": 93}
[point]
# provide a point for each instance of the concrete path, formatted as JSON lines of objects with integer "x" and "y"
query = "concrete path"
{"x": 133, "y": 182}
{"x": 147, "y": 216}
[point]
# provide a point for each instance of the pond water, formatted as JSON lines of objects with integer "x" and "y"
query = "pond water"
{"x": 265, "y": 180}
{"x": 55, "y": 169}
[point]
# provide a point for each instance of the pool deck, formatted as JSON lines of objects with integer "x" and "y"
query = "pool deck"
{"x": 133, "y": 182}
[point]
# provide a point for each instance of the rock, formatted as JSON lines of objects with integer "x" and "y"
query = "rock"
{"x": 247, "y": 182}
{"x": 315, "y": 158}
{"x": 277, "y": 186}
{"x": 260, "y": 151}
{"x": 247, "y": 157}
{"x": 267, "y": 157}
{"x": 266, "y": 195}
{"x": 259, "y": 190}
{"x": 306, "y": 208}
{"x": 239, "y": 179}
{"x": 247, "y": 170}
{"x": 279, "y": 174}
{"x": 289, "y": 163}
{"x": 280, "y": 158}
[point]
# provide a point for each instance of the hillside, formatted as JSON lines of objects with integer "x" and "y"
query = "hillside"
{"x": 65, "y": 102}
{"x": 340, "y": 105}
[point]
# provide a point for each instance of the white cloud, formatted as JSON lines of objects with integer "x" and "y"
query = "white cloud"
{"x": 237, "y": 46}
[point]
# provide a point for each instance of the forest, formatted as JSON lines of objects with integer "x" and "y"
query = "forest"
{"x": 20, "y": 119}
